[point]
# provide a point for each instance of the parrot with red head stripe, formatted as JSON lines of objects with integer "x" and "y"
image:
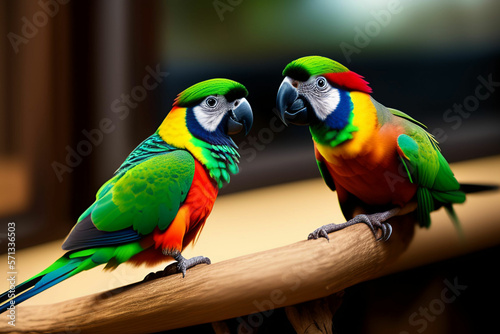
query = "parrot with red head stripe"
{"x": 382, "y": 162}
{"x": 160, "y": 197}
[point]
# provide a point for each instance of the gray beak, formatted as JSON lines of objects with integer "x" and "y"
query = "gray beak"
{"x": 241, "y": 117}
{"x": 291, "y": 107}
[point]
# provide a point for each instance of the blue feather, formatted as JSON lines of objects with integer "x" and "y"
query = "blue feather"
{"x": 339, "y": 118}
{"x": 216, "y": 137}
{"x": 86, "y": 235}
{"x": 42, "y": 283}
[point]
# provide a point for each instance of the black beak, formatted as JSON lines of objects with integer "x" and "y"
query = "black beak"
{"x": 241, "y": 117}
{"x": 291, "y": 107}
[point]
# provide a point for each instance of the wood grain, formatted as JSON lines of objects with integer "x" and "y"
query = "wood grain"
{"x": 315, "y": 316}
{"x": 278, "y": 277}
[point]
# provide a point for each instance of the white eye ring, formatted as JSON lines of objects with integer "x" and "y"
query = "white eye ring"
{"x": 321, "y": 83}
{"x": 211, "y": 102}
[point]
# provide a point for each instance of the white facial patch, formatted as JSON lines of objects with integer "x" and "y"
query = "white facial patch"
{"x": 323, "y": 102}
{"x": 210, "y": 118}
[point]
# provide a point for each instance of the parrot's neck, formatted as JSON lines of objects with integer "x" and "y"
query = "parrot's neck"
{"x": 352, "y": 138}
{"x": 219, "y": 160}
{"x": 338, "y": 126}
{"x": 326, "y": 135}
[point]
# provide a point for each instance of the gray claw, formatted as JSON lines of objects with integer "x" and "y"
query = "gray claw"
{"x": 375, "y": 222}
{"x": 386, "y": 230}
{"x": 320, "y": 232}
{"x": 382, "y": 234}
{"x": 388, "y": 234}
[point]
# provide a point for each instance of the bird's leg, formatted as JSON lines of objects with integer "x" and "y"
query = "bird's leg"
{"x": 184, "y": 264}
{"x": 375, "y": 221}
{"x": 181, "y": 266}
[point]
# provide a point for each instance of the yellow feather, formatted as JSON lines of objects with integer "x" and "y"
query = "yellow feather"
{"x": 173, "y": 130}
{"x": 365, "y": 118}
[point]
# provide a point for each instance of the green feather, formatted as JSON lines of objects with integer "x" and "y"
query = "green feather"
{"x": 425, "y": 206}
{"x": 325, "y": 135}
{"x": 195, "y": 94}
{"x": 454, "y": 218}
{"x": 217, "y": 158}
{"x": 401, "y": 114}
{"x": 426, "y": 166}
{"x": 305, "y": 67}
{"x": 154, "y": 188}
{"x": 325, "y": 173}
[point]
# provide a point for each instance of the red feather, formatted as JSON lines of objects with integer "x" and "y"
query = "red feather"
{"x": 349, "y": 80}
{"x": 188, "y": 223}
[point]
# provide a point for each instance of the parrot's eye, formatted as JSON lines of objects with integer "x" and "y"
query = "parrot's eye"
{"x": 321, "y": 83}
{"x": 211, "y": 102}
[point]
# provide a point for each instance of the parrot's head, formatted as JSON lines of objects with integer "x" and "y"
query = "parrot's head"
{"x": 202, "y": 121}
{"x": 212, "y": 111}
{"x": 316, "y": 89}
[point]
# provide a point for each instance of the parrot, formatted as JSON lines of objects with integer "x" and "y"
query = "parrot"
{"x": 158, "y": 200}
{"x": 381, "y": 162}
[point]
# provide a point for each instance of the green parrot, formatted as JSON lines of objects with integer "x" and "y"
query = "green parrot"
{"x": 382, "y": 162}
{"x": 158, "y": 200}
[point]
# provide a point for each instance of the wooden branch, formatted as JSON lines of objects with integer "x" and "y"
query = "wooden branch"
{"x": 315, "y": 316}
{"x": 278, "y": 277}
{"x": 258, "y": 282}
{"x": 220, "y": 327}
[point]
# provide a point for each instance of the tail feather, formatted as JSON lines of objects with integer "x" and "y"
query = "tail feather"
{"x": 20, "y": 288}
{"x": 66, "y": 266}
{"x": 454, "y": 218}
{"x": 56, "y": 273}
{"x": 469, "y": 188}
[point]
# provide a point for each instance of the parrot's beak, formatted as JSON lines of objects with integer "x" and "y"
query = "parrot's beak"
{"x": 291, "y": 107}
{"x": 241, "y": 117}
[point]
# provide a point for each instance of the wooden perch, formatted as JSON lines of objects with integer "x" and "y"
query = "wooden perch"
{"x": 258, "y": 282}
{"x": 275, "y": 278}
{"x": 315, "y": 316}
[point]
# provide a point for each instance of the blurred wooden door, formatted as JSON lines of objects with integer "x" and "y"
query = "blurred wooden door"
{"x": 35, "y": 96}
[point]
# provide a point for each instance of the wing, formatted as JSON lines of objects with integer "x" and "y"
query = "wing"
{"x": 325, "y": 173}
{"x": 401, "y": 114}
{"x": 152, "y": 146}
{"x": 426, "y": 166}
{"x": 135, "y": 202}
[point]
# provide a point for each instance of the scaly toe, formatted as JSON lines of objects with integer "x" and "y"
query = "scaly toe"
{"x": 320, "y": 232}
{"x": 184, "y": 265}
{"x": 181, "y": 268}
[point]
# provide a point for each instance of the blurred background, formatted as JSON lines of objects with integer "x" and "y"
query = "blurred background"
{"x": 83, "y": 82}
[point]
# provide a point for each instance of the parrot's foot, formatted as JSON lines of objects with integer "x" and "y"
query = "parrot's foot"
{"x": 375, "y": 221}
{"x": 181, "y": 266}
{"x": 184, "y": 264}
